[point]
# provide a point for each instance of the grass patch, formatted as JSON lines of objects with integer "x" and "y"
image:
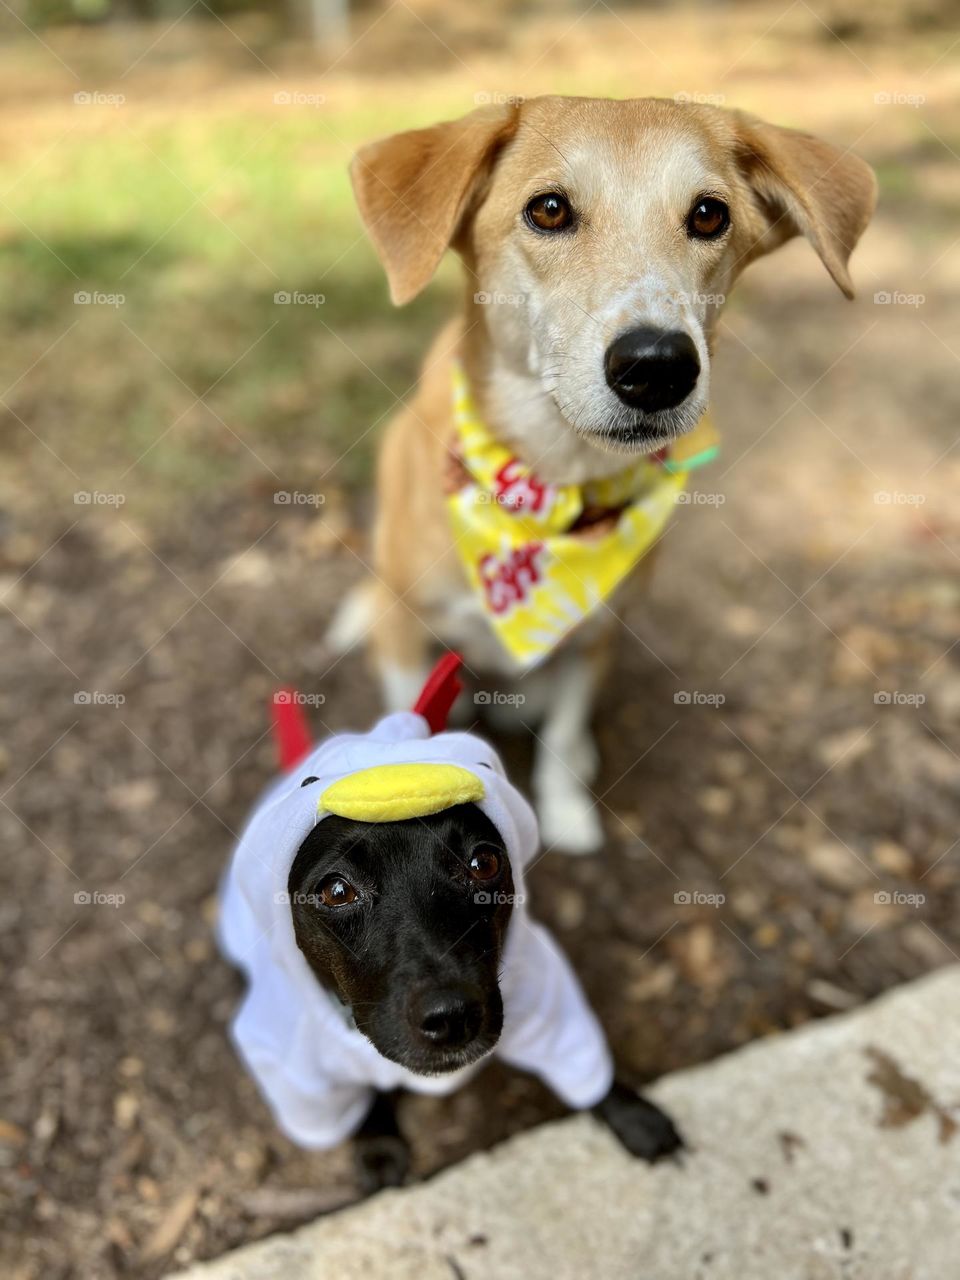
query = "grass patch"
{"x": 197, "y": 222}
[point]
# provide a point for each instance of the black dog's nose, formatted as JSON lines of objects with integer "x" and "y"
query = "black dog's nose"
{"x": 449, "y": 1019}
{"x": 650, "y": 369}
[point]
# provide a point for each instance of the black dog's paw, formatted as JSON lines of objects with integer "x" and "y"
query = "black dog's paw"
{"x": 381, "y": 1152}
{"x": 642, "y": 1128}
{"x": 382, "y": 1160}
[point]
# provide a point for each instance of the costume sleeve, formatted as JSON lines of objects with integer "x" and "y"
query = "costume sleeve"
{"x": 313, "y": 1107}
{"x": 548, "y": 1027}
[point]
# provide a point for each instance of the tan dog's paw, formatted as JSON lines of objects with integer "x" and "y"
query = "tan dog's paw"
{"x": 570, "y": 823}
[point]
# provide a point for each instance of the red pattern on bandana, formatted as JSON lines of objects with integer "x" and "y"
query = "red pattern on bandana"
{"x": 507, "y": 582}
{"x": 520, "y": 490}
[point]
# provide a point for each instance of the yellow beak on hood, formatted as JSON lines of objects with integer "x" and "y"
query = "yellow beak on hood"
{"x": 391, "y": 792}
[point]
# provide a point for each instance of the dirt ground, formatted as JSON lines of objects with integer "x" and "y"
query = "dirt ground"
{"x": 780, "y": 744}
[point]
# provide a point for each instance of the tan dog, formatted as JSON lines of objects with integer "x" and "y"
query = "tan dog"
{"x": 622, "y": 227}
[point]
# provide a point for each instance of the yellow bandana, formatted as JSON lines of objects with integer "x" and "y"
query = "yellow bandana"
{"x": 542, "y": 557}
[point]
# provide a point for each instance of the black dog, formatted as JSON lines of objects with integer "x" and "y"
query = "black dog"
{"x": 405, "y": 923}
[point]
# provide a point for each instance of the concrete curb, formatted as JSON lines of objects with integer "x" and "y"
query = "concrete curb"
{"x": 829, "y": 1153}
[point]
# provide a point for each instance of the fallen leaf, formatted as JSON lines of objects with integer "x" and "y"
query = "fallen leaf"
{"x": 171, "y": 1226}
{"x": 11, "y": 1135}
{"x": 835, "y": 865}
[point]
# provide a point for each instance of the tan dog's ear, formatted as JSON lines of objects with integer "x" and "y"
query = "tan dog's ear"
{"x": 807, "y": 187}
{"x": 414, "y": 188}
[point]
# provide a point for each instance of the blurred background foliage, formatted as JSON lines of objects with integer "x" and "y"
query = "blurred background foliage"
{"x": 192, "y": 157}
{"x": 847, "y": 18}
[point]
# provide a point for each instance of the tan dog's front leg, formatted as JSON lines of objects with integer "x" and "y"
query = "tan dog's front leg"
{"x": 566, "y": 758}
{"x": 401, "y": 652}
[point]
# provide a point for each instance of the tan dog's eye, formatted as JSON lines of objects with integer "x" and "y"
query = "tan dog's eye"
{"x": 484, "y": 864}
{"x": 336, "y": 892}
{"x": 549, "y": 212}
{"x": 708, "y": 219}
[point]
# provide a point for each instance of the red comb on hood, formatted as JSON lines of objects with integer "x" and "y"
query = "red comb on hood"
{"x": 290, "y": 731}
{"x": 440, "y": 691}
{"x": 292, "y": 735}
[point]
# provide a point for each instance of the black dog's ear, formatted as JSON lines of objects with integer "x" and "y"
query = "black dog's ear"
{"x": 805, "y": 186}
{"x": 310, "y": 850}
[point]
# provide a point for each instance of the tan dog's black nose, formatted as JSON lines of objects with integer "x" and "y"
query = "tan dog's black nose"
{"x": 649, "y": 369}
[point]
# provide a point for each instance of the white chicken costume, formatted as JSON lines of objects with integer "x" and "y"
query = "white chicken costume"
{"x": 315, "y": 1069}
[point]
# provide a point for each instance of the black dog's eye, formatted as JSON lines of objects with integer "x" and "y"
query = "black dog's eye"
{"x": 485, "y": 864}
{"x": 549, "y": 212}
{"x": 708, "y": 219}
{"x": 336, "y": 892}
